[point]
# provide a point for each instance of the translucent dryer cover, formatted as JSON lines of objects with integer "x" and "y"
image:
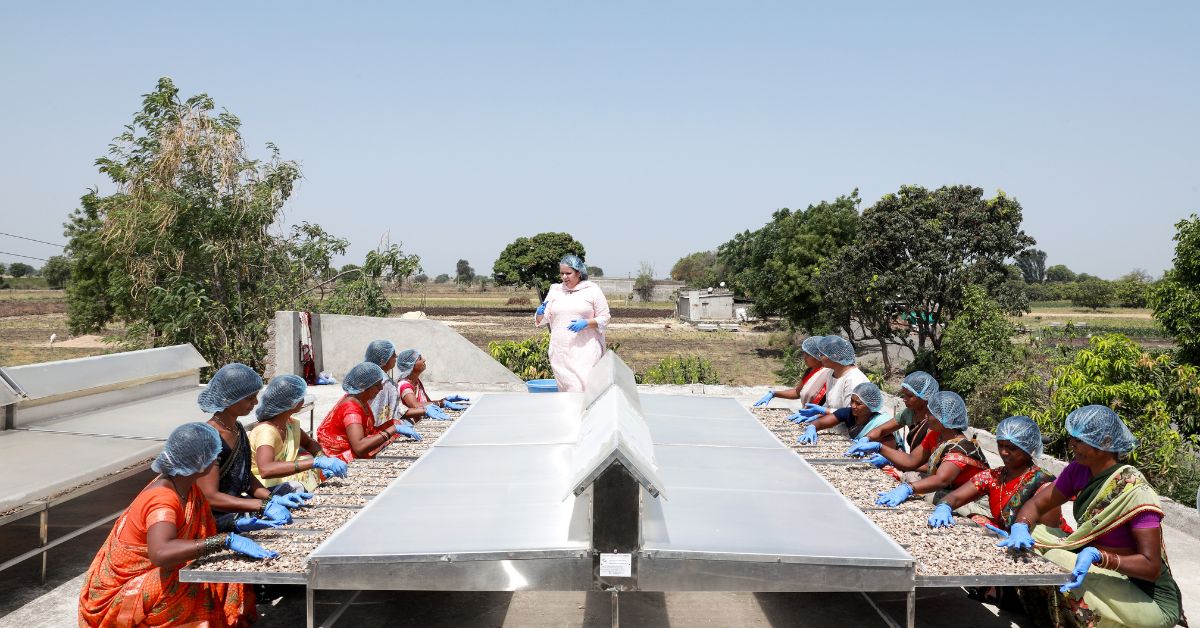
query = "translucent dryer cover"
{"x": 608, "y": 372}
{"x": 614, "y": 431}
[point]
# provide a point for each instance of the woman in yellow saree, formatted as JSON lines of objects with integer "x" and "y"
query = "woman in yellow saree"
{"x": 1120, "y": 572}
{"x": 134, "y": 579}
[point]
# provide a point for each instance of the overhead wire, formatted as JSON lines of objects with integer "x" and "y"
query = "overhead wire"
{"x": 13, "y": 235}
{"x": 25, "y": 256}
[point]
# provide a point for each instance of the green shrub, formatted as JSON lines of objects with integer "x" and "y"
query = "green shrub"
{"x": 528, "y": 359}
{"x": 681, "y": 370}
{"x": 1156, "y": 396}
{"x": 793, "y": 366}
{"x": 977, "y": 345}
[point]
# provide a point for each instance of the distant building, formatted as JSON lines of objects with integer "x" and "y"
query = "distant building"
{"x": 705, "y": 305}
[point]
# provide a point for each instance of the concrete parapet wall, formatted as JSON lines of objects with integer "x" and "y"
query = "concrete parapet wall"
{"x": 340, "y": 341}
{"x": 620, "y": 288}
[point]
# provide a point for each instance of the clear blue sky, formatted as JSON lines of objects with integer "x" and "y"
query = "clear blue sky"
{"x": 647, "y": 130}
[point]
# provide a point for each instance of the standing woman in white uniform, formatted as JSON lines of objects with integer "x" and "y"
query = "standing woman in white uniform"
{"x": 577, "y": 313}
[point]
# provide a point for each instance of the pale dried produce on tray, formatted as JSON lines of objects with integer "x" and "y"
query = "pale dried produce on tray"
{"x": 406, "y": 449}
{"x": 964, "y": 549}
{"x": 327, "y": 499}
{"x": 323, "y": 519}
{"x": 828, "y": 447}
{"x": 293, "y": 556}
{"x": 862, "y": 483}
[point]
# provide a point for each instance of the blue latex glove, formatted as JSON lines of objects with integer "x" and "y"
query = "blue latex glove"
{"x": 405, "y": 428}
{"x": 277, "y": 511}
{"x": 1088, "y": 557}
{"x": 1018, "y": 538}
{"x": 250, "y": 523}
{"x": 541, "y": 309}
{"x": 434, "y": 412}
{"x": 942, "y": 517}
{"x": 878, "y": 461}
{"x": 330, "y": 467}
{"x": 895, "y": 497}
{"x": 292, "y": 500}
{"x": 809, "y": 437}
{"x": 457, "y": 398}
{"x": 246, "y": 547}
{"x": 765, "y": 399}
{"x": 450, "y": 405}
{"x": 578, "y": 325}
{"x": 994, "y": 530}
{"x": 813, "y": 410}
{"x": 862, "y": 449}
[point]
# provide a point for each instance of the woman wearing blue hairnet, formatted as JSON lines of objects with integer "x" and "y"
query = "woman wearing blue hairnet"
{"x": 915, "y": 391}
{"x": 134, "y": 579}
{"x": 813, "y": 383}
{"x": 577, "y": 313}
{"x": 1121, "y": 574}
{"x": 239, "y": 501}
{"x": 283, "y": 452}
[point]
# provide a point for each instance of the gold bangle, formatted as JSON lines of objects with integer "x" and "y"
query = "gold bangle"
{"x": 295, "y": 466}
{"x": 1118, "y": 567}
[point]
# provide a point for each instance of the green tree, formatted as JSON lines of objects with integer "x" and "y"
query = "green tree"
{"x": 595, "y": 271}
{"x": 1133, "y": 290}
{"x": 643, "y": 285}
{"x": 1151, "y": 393}
{"x": 57, "y": 271}
{"x": 442, "y": 278}
{"x": 3, "y": 269}
{"x": 698, "y": 270}
{"x": 775, "y": 265}
{"x": 532, "y": 262}
{"x": 421, "y": 279}
{"x": 364, "y": 296}
{"x": 312, "y": 249}
{"x": 463, "y": 273}
{"x": 1092, "y": 293}
{"x": 20, "y": 269}
{"x": 1032, "y": 263}
{"x": 186, "y": 243}
{"x": 1176, "y": 297}
{"x": 977, "y": 344}
{"x": 1060, "y": 274}
{"x": 904, "y": 278}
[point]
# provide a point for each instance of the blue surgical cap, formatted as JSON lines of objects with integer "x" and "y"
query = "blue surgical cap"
{"x": 949, "y": 409}
{"x": 363, "y": 376}
{"x": 405, "y": 361}
{"x": 837, "y": 349}
{"x": 229, "y": 385}
{"x": 281, "y": 395}
{"x": 1100, "y": 427}
{"x": 1023, "y": 432}
{"x": 380, "y": 351}
{"x": 870, "y": 395}
{"x": 190, "y": 448}
{"x": 576, "y": 263}
{"x": 920, "y": 383}
{"x": 812, "y": 346}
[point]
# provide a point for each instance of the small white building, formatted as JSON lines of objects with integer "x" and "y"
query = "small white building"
{"x": 706, "y": 305}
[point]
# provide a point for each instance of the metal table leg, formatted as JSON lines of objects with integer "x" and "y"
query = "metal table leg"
{"x": 308, "y": 606}
{"x": 616, "y": 610}
{"x": 911, "y": 619}
{"x": 44, "y": 534}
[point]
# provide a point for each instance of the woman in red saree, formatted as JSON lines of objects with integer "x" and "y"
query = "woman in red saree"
{"x": 134, "y": 579}
{"x": 349, "y": 430}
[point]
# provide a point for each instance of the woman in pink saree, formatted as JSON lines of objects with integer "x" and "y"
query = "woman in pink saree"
{"x": 576, "y": 313}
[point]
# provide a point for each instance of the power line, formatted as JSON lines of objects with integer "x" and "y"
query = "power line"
{"x": 13, "y": 235}
{"x": 25, "y": 256}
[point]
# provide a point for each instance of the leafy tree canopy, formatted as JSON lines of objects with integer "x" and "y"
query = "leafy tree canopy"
{"x": 915, "y": 253}
{"x": 20, "y": 269}
{"x": 595, "y": 271}
{"x": 57, "y": 271}
{"x": 699, "y": 270}
{"x": 187, "y": 248}
{"x": 776, "y": 264}
{"x": 1176, "y": 297}
{"x": 1092, "y": 293}
{"x": 1060, "y": 274}
{"x": 463, "y": 273}
{"x": 1032, "y": 263}
{"x": 532, "y": 262}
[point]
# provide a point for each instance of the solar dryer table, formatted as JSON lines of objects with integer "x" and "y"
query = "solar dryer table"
{"x": 493, "y": 506}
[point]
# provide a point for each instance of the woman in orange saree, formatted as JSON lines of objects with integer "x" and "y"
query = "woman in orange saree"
{"x": 134, "y": 579}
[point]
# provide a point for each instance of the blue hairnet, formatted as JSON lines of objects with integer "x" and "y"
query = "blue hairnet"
{"x": 380, "y": 351}
{"x": 870, "y": 395}
{"x": 921, "y": 384}
{"x": 812, "y": 346}
{"x": 405, "y": 361}
{"x": 949, "y": 409}
{"x": 574, "y": 262}
{"x": 1023, "y": 432}
{"x": 229, "y": 385}
{"x": 281, "y": 395}
{"x": 190, "y": 448}
{"x": 363, "y": 376}
{"x": 1100, "y": 427}
{"x": 837, "y": 349}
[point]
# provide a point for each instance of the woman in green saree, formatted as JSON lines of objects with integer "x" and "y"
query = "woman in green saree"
{"x": 1116, "y": 553}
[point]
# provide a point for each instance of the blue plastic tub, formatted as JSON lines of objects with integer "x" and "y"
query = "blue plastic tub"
{"x": 542, "y": 385}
